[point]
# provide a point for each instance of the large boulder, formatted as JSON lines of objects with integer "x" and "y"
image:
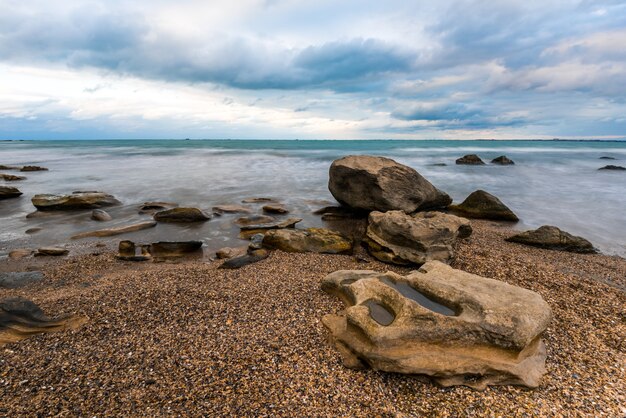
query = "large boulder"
{"x": 376, "y": 183}
{"x": 398, "y": 238}
{"x": 182, "y": 215}
{"x": 483, "y": 205}
{"x": 74, "y": 201}
{"x": 470, "y": 159}
{"x": 458, "y": 328}
{"x": 553, "y": 238}
{"x": 7, "y": 192}
{"x": 317, "y": 240}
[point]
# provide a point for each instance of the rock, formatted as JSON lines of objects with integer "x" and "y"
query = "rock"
{"x": 7, "y": 192}
{"x": 21, "y": 318}
{"x": 34, "y": 230}
{"x": 13, "y": 280}
{"x": 613, "y": 167}
{"x": 607, "y": 158}
{"x": 152, "y": 207}
{"x": 335, "y": 213}
{"x": 231, "y": 209}
{"x": 377, "y": 183}
{"x": 277, "y": 209}
{"x": 182, "y": 215}
{"x": 109, "y": 232}
{"x": 456, "y": 327}
{"x": 254, "y": 220}
{"x": 470, "y": 159}
{"x": 20, "y": 253}
{"x": 8, "y": 167}
{"x": 256, "y": 242}
{"x": 253, "y": 229}
{"x": 100, "y": 215}
{"x": 258, "y": 200}
{"x": 502, "y": 160}
{"x": 438, "y": 165}
{"x": 244, "y": 260}
{"x": 10, "y": 177}
{"x": 74, "y": 201}
{"x": 398, "y": 238}
{"x": 228, "y": 252}
{"x": 128, "y": 251}
{"x": 483, "y": 205}
{"x": 51, "y": 251}
{"x": 317, "y": 240}
{"x": 175, "y": 249}
{"x": 33, "y": 168}
{"x": 553, "y": 238}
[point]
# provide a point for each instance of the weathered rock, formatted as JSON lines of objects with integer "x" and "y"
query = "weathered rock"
{"x": 7, "y": 192}
{"x": 74, "y": 201}
{"x": 607, "y": 158}
{"x": 613, "y": 167}
{"x": 231, "y": 209}
{"x": 34, "y": 230}
{"x": 100, "y": 215}
{"x": 398, "y": 238}
{"x": 456, "y": 327}
{"x": 377, "y": 183}
{"x": 317, "y": 240}
{"x": 258, "y": 200}
{"x": 33, "y": 168}
{"x": 483, "y": 205}
{"x": 8, "y": 167}
{"x": 470, "y": 159}
{"x": 336, "y": 213}
{"x": 14, "y": 280}
{"x": 254, "y": 220}
{"x": 182, "y": 215}
{"x": 20, "y": 253}
{"x": 109, "y": 232}
{"x": 175, "y": 249}
{"x": 553, "y": 238}
{"x": 438, "y": 165}
{"x": 228, "y": 252}
{"x": 152, "y": 207}
{"x": 250, "y": 230}
{"x": 256, "y": 242}
{"x": 244, "y": 260}
{"x": 10, "y": 177}
{"x": 502, "y": 160}
{"x": 21, "y": 318}
{"x": 277, "y": 209}
{"x": 51, "y": 251}
{"x": 128, "y": 251}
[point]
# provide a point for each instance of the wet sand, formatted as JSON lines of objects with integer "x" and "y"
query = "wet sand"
{"x": 190, "y": 339}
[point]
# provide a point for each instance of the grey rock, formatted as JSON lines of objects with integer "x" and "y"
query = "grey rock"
{"x": 553, "y": 238}
{"x": 13, "y": 280}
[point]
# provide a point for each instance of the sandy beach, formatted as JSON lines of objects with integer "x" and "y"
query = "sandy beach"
{"x": 191, "y": 339}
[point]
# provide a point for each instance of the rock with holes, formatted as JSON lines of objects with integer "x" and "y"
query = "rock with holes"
{"x": 370, "y": 183}
{"x": 74, "y": 201}
{"x": 458, "y": 328}
{"x": 397, "y": 238}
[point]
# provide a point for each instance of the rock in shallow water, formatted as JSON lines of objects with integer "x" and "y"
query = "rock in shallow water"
{"x": 244, "y": 260}
{"x": 398, "y": 238}
{"x": 7, "y": 192}
{"x": 51, "y": 251}
{"x": 10, "y": 177}
{"x": 502, "y": 160}
{"x": 317, "y": 240}
{"x": 376, "y": 183}
{"x": 489, "y": 335}
{"x": 553, "y": 238}
{"x": 470, "y": 159}
{"x": 13, "y": 280}
{"x": 100, "y": 215}
{"x": 182, "y": 215}
{"x": 613, "y": 167}
{"x": 483, "y": 205}
{"x": 74, "y": 201}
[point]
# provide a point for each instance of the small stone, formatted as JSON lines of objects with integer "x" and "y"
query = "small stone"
{"x": 275, "y": 209}
{"x": 100, "y": 215}
{"x": 613, "y": 167}
{"x": 13, "y": 280}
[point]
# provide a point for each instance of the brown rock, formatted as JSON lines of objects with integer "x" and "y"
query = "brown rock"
{"x": 502, "y": 160}
{"x": 10, "y": 177}
{"x": 33, "y": 168}
{"x": 470, "y": 159}
{"x": 128, "y": 251}
{"x": 483, "y": 205}
{"x": 175, "y": 249}
{"x": 277, "y": 209}
{"x": 109, "y": 232}
{"x": 458, "y": 328}
{"x": 152, "y": 207}
{"x": 51, "y": 251}
{"x": 182, "y": 215}
{"x": 20, "y": 253}
{"x": 317, "y": 240}
{"x": 254, "y": 220}
{"x": 34, "y": 230}
{"x": 244, "y": 260}
{"x": 100, "y": 215}
{"x": 74, "y": 201}
{"x": 287, "y": 223}
{"x": 7, "y": 192}
{"x": 613, "y": 167}
{"x": 553, "y": 238}
{"x": 231, "y": 209}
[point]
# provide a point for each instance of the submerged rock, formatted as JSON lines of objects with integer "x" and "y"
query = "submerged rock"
{"x": 100, "y": 215}
{"x": 20, "y": 318}
{"x": 613, "y": 167}
{"x": 398, "y": 238}
{"x": 249, "y": 230}
{"x": 456, "y": 327}
{"x": 10, "y": 177}
{"x": 553, "y": 238}
{"x": 470, "y": 159}
{"x": 7, "y": 192}
{"x": 254, "y": 220}
{"x": 607, "y": 158}
{"x": 317, "y": 240}
{"x": 277, "y": 209}
{"x": 51, "y": 251}
{"x": 27, "y": 168}
{"x": 182, "y": 215}
{"x": 376, "y": 183}
{"x": 502, "y": 160}
{"x": 74, "y": 201}
{"x": 20, "y": 253}
{"x": 258, "y": 200}
{"x": 13, "y": 280}
{"x": 231, "y": 209}
{"x": 109, "y": 232}
{"x": 483, "y": 205}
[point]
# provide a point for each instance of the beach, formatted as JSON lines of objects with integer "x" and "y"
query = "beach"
{"x": 191, "y": 339}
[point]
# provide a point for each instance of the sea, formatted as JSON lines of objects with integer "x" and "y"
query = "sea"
{"x": 552, "y": 182}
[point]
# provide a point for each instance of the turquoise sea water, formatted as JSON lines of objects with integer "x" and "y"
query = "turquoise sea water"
{"x": 553, "y": 182}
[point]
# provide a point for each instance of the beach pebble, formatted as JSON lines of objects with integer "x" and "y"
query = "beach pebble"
{"x": 100, "y": 215}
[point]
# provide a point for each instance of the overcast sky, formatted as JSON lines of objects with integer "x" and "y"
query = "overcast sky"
{"x": 312, "y": 69}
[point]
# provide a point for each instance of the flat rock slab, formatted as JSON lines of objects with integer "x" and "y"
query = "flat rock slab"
{"x": 287, "y": 223}
{"x": 74, "y": 201}
{"x": 182, "y": 215}
{"x": 488, "y": 334}
{"x": 553, "y": 238}
{"x": 109, "y": 232}
{"x": 317, "y": 240}
{"x": 7, "y": 192}
{"x": 152, "y": 207}
{"x": 231, "y": 209}
{"x": 101, "y": 215}
{"x": 10, "y": 177}
{"x": 483, "y": 205}
{"x": 254, "y": 220}
{"x": 20, "y": 253}
{"x": 51, "y": 251}
{"x": 20, "y": 318}
{"x": 13, "y": 280}
{"x": 470, "y": 159}
{"x": 613, "y": 168}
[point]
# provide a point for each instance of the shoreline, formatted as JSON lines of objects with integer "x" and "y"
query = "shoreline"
{"x": 167, "y": 338}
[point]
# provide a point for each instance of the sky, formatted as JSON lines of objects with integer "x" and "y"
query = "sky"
{"x": 321, "y": 69}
